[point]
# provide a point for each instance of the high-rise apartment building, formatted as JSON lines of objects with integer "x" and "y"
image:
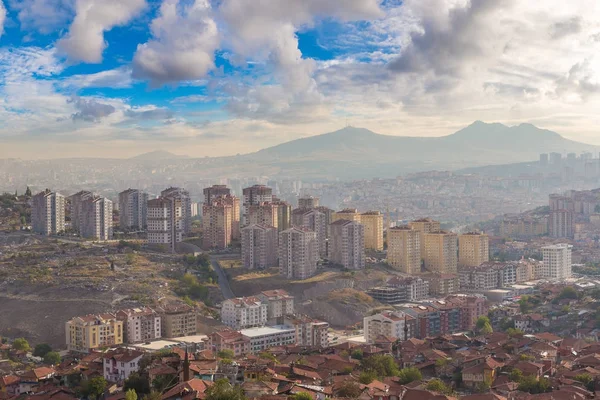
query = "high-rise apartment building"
{"x": 473, "y": 249}
{"x": 186, "y": 205}
{"x": 440, "y": 252}
{"x": 222, "y": 192}
{"x": 255, "y": 195}
{"x": 424, "y": 225}
{"x": 165, "y": 221}
{"x": 308, "y": 202}
{"x": 284, "y": 214}
{"x": 259, "y": 246}
{"x": 560, "y": 223}
{"x": 404, "y": 249}
{"x": 48, "y": 213}
{"x": 214, "y": 192}
{"x": 298, "y": 253}
{"x": 140, "y": 324}
{"x": 350, "y": 214}
{"x": 315, "y": 221}
{"x": 177, "y": 320}
{"x": 90, "y": 332}
{"x": 262, "y": 213}
{"x": 557, "y": 261}
{"x": 217, "y": 221}
{"x": 96, "y": 218}
{"x": 133, "y": 209}
{"x": 373, "y": 222}
{"x": 328, "y": 213}
{"x": 348, "y": 244}
{"x": 76, "y": 210}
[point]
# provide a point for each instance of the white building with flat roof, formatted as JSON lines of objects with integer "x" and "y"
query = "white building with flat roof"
{"x": 265, "y": 337}
{"x": 557, "y": 261}
{"x": 244, "y": 312}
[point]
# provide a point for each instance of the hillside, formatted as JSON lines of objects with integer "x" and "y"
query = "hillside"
{"x": 158, "y": 155}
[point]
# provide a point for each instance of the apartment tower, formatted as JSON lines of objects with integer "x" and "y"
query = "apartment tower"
{"x": 165, "y": 221}
{"x": 348, "y": 244}
{"x": 298, "y": 253}
{"x": 133, "y": 209}
{"x": 373, "y": 222}
{"x": 308, "y": 202}
{"x": 424, "y": 225}
{"x": 404, "y": 249}
{"x": 350, "y": 214}
{"x": 557, "y": 261}
{"x": 96, "y": 218}
{"x": 217, "y": 219}
{"x": 255, "y": 195}
{"x": 314, "y": 221}
{"x": 259, "y": 246}
{"x": 440, "y": 252}
{"x": 473, "y": 249}
{"x": 76, "y": 213}
{"x": 48, "y": 213}
{"x": 186, "y": 205}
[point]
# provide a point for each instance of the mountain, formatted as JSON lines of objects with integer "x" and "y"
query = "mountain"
{"x": 158, "y": 155}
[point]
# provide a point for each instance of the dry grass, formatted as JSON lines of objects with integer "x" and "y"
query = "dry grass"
{"x": 325, "y": 276}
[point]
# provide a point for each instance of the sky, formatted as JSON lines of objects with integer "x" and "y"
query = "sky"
{"x": 116, "y": 78}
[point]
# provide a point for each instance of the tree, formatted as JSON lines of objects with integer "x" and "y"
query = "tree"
{"x": 486, "y": 329}
{"x": 21, "y": 344}
{"x": 222, "y": 390}
{"x": 95, "y": 387}
{"x": 131, "y": 395}
{"x": 357, "y": 354}
{"x": 265, "y": 355}
{"x": 52, "y": 358}
{"x": 481, "y": 321}
{"x": 568, "y": 292}
{"x": 137, "y": 382}
{"x": 515, "y": 333}
{"x": 515, "y": 375}
{"x": 28, "y": 192}
{"x": 302, "y": 396}
{"x": 367, "y": 377}
{"x": 163, "y": 382}
{"x": 349, "y": 389}
{"x": 436, "y": 385}
{"x": 226, "y": 353}
{"x": 530, "y": 384}
{"x": 410, "y": 374}
{"x": 153, "y": 395}
{"x": 382, "y": 365}
{"x": 42, "y": 349}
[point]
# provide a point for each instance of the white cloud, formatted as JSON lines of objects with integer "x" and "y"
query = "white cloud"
{"x": 184, "y": 39}
{"x": 44, "y": 16}
{"x": 85, "y": 39}
{"x": 2, "y": 17}
{"x": 113, "y": 78}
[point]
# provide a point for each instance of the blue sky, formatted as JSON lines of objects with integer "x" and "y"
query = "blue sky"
{"x": 202, "y": 77}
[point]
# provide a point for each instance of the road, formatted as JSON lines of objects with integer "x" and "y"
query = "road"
{"x": 223, "y": 281}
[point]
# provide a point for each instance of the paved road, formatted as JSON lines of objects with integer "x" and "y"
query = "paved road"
{"x": 223, "y": 281}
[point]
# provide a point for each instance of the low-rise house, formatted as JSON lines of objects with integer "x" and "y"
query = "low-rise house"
{"x": 35, "y": 377}
{"x": 118, "y": 364}
{"x": 10, "y": 384}
{"x": 481, "y": 374}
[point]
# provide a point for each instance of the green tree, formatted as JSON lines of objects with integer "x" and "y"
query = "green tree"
{"x": 95, "y": 387}
{"x": 222, "y": 390}
{"x": 486, "y": 329}
{"x": 357, "y": 354}
{"x": 163, "y": 382}
{"x": 530, "y": 384}
{"x": 382, "y": 365}
{"x": 515, "y": 333}
{"x": 226, "y": 353}
{"x": 409, "y": 374}
{"x": 367, "y": 377}
{"x": 154, "y": 395}
{"x": 21, "y": 344}
{"x": 349, "y": 389}
{"x": 137, "y": 382}
{"x": 515, "y": 375}
{"x": 302, "y": 396}
{"x": 436, "y": 385}
{"x": 52, "y": 358}
{"x": 42, "y": 349}
{"x": 568, "y": 292}
{"x": 584, "y": 378}
{"x": 265, "y": 355}
{"x": 131, "y": 395}
{"x": 482, "y": 321}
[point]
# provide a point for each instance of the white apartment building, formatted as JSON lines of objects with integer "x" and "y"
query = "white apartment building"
{"x": 120, "y": 363}
{"x": 557, "y": 261}
{"x": 165, "y": 222}
{"x": 309, "y": 332}
{"x": 76, "y": 201}
{"x": 140, "y": 324}
{"x": 48, "y": 213}
{"x": 244, "y": 312}
{"x": 298, "y": 253}
{"x": 316, "y": 221}
{"x": 186, "y": 205}
{"x": 279, "y": 303}
{"x": 264, "y": 338}
{"x": 96, "y": 218}
{"x": 388, "y": 323}
{"x": 259, "y": 246}
{"x": 348, "y": 244}
{"x": 133, "y": 209}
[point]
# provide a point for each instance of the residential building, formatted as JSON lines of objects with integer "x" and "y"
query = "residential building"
{"x": 401, "y": 290}
{"x": 229, "y": 340}
{"x": 442, "y": 284}
{"x": 259, "y": 246}
{"x": 255, "y": 195}
{"x": 91, "y": 332}
{"x": 373, "y": 223}
{"x": 557, "y": 261}
{"x": 165, "y": 222}
{"x": 96, "y": 218}
{"x": 315, "y": 221}
{"x": 309, "y": 331}
{"x": 222, "y": 194}
{"x": 140, "y": 324}
{"x": 76, "y": 210}
{"x": 298, "y": 253}
{"x": 524, "y": 227}
{"x": 347, "y": 244}
{"x": 48, "y": 213}
{"x": 284, "y": 214}
{"x": 133, "y": 209}
{"x": 262, "y": 213}
{"x": 404, "y": 249}
{"x": 186, "y": 205}
{"x": 217, "y": 224}
{"x": 423, "y": 226}
{"x": 350, "y": 214}
{"x": 473, "y": 249}
{"x": 265, "y": 337}
{"x": 440, "y": 252}
{"x": 214, "y": 192}
{"x": 328, "y": 213}
{"x": 279, "y": 303}
{"x": 487, "y": 276}
{"x": 244, "y": 312}
{"x": 481, "y": 374}
{"x": 308, "y": 202}
{"x": 391, "y": 324}
{"x": 560, "y": 223}
{"x": 177, "y": 320}
{"x": 119, "y": 364}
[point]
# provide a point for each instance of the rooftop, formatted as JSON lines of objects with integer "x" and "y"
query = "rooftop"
{"x": 266, "y": 330}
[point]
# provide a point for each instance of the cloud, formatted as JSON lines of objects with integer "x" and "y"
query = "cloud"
{"x": 85, "y": 40}
{"x": 2, "y": 17}
{"x": 150, "y": 114}
{"x": 184, "y": 39}
{"x": 566, "y": 27}
{"x": 90, "y": 110}
{"x": 112, "y": 78}
{"x": 44, "y": 16}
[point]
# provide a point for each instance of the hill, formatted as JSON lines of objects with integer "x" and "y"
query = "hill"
{"x": 158, "y": 155}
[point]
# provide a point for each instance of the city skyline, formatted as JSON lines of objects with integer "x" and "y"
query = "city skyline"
{"x": 114, "y": 78}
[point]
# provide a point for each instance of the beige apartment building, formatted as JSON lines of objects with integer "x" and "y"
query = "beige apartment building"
{"x": 424, "y": 225}
{"x": 404, "y": 249}
{"x": 223, "y": 193}
{"x": 262, "y": 213}
{"x": 165, "y": 222}
{"x": 373, "y": 222}
{"x": 96, "y": 218}
{"x": 177, "y": 320}
{"x": 91, "y": 332}
{"x": 217, "y": 219}
{"x": 473, "y": 249}
{"x": 440, "y": 252}
{"x": 76, "y": 212}
{"x": 252, "y": 196}
{"x": 48, "y": 213}
{"x": 259, "y": 246}
{"x": 348, "y": 244}
{"x": 350, "y": 214}
{"x": 284, "y": 214}
{"x": 298, "y": 253}
{"x": 315, "y": 221}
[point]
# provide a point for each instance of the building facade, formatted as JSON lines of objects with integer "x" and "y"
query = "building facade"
{"x": 93, "y": 331}
{"x": 264, "y": 338}
{"x": 309, "y": 332}
{"x": 423, "y": 226}
{"x": 390, "y": 324}
{"x": 440, "y": 252}
{"x": 557, "y": 261}
{"x": 140, "y": 324}
{"x": 308, "y": 202}
{"x": 217, "y": 224}
{"x": 119, "y": 364}
{"x": 96, "y": 218}
{"x": 259, "y": 246}
{"x": 48, "y": 213}
{"x": 76, "y": 201}
{"x": 473, "y": 249}
{"x": 254, "y": 195}
{"x": 262, "y": 213}
{"x": 350, "y": 214}
{"x": 133, "y": 209}
{"x": 177, "y": 320}
{"x": 373, "y": 223}
{"x": 298, "y": 253}
{"x": 186, "y": 205}
{"x": 244, "y": 312}
{"x": 348, "y": 244}
{"x": 404, "y": 249}
{"x": 165, "y": 222}
{"x": 560, "y": 223}
{"x": 279, "y": 303}
{"x": 315, "y": 221}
